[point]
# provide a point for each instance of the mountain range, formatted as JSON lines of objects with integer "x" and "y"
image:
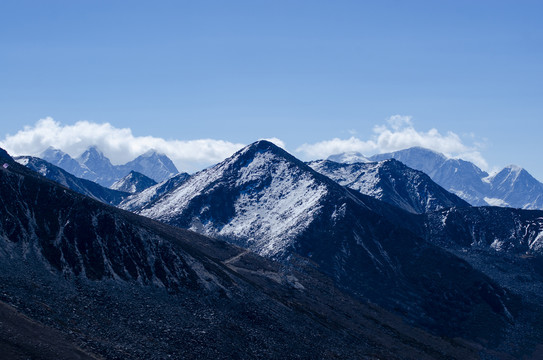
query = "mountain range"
{"x": 510, "y": 187}
{"x": 330, "y": 248}
{"x": 267, "y": 201}
{"x": 82, "y": 186}
{"x": 95, "y": 166}
{"x": 81, "y": 279}
{"x": 390, "y": 181}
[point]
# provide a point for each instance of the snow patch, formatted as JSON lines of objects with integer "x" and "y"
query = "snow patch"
{"x": 496, "y": 202}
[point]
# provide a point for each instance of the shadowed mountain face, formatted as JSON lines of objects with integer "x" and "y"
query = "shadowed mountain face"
{"x": 122, "y": 286}
{"x": 392, "y": 182}
{"x": 506, "y": 244}
{"x": 265, "y": 200}
{"x": 82, "y": 186}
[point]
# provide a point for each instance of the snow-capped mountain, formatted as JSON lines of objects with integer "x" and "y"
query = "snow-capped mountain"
{"x": 349, "y": 157}
{"x": 511, "y": 187}
{"x": 152, "y": 164}
{"x": 390, "y": 181}
{"x": 64, "y": 161}
{"x": 117, "y": 285}
{"x": 93, "y": 165}
{"x": 134, "y": 182}
{"x": 264, "y": 199}
{"x": 102, "y": 170}
{"x": 82, "y": 186}
{"x": 514, "y": 186}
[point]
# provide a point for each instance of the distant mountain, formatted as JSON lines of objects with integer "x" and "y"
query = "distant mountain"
{"x": 391, "y": 181}
{"x": 64, "y": 161}
{"x": 82, "y": 186}
{"x": 514, "y": 186}
{"x": 93, "y": 165}
{"x": 101, "y": 170}
{"x": 115, "y": 285}
{"x": 264, "y": 199}
{"x": 152, "y": 164}
{"x": 350, "y": 157}
{"x": 134, "y": 182}
{"x": 511, "y": 187}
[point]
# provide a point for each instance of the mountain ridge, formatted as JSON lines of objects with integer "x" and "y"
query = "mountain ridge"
{"x": 469, "y": 182}
{"x": 391, "y": 181}
{"x": 93, "y": 165}
{"x": 82, "y": 186}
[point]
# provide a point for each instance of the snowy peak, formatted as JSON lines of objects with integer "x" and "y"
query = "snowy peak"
{"x": 61, "y": 159}
{"x": 513, "y": 186}
{"x": 393, "y": 182}
{"x": 260, "y": 193}
{"x": 154, "y": 165}
{"x": 134, "y": 182}
{"x": 53, "y": 154}
{"x": 92, "y": 154}
{"x": 93, "y": 165}
{"x": 349, "y": 157}
{"x": 516, "y": 187}
{"x": 511, "y": 174}
{"x": 418, "y": 158}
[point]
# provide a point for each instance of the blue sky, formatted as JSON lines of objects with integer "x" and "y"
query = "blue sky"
{"x": 304, "y": 72}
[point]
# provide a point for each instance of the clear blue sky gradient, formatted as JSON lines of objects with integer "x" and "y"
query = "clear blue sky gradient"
{"x": 302, "y": 71}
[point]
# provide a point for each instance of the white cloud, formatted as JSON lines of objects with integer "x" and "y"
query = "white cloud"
{"x": 399, "y": 121}
{"x": 397, "y": 133}
{"x": 120, "y": 145}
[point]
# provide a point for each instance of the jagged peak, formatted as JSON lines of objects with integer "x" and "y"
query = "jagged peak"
{"x": 52, "y": 151}
{"x": 94, "y": 149}
{"x": 92, "y": 152}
